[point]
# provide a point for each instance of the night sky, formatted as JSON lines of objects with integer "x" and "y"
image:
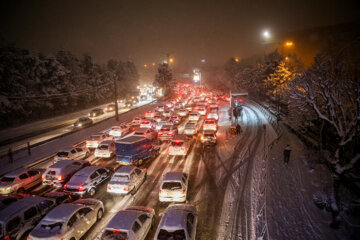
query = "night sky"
{"x": 144, "y": 31}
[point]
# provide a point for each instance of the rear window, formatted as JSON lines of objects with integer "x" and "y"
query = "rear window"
{"x": 209, "y": 134}
{"x": 139, "y": 133}
{"x": 7, "y": 179}
{"x": 62, "y": 154}
{"x": 171, "y": 185}
{"x": 120, "y": 178}
{"x": 177, "y": 143}
{"x": 114, "y": 234}
{"x": 193, "y": 114}
{"x": 103, "y": 147}
{"x": 209, "y": 122}
{"x": 52, "y": 172}
{"x": 176, "y": 235}
{"x": 83, "y": 119}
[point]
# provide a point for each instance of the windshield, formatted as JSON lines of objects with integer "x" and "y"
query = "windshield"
{"x": 83, "y": 119}
{"x": 176, "y": 235}
{"x": 120, "y": 178}
{"x": 114, "y": 235}
{"x": 51, "y": 227}
{"x": 171, "y": 185}
{"x": 103, "y": 147}
{"x": 62, "y": 154}
{"x": 190, "y": 126}
{"x": 7, "y": 179}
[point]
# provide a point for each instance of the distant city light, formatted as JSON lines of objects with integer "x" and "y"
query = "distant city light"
{"x": 236, "y": 59}
{"x": 145, "y": 65}
{"x": 153, "y": 64}
{"x": 171, "y": 60}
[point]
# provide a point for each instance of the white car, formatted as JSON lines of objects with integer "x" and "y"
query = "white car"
{"x": 132, "y": 223}
{"x": 167, "y": 113}
{"x": 183, "y": 112}
{"x": 202, "y": 111}
{"x": 136, "y": 121}
{"x": 147, "y": 124}
{"x": 161, "y": 123}
{"x": 127, "y": 179}
{"x": 150, "y": 114}
{"x": 179, "y": 146}
{"x": 210, "y": 124}
{"x": 190, "y": 129}
{"x": 212, "y": 115}
{"x": 19, "y": 181}
{"x": 106, "y": 149}
{"x": 194, "y": 116}
{"x": 93, "y": 141}
{"x": 71, "y": 154}
{"x": 146, "y": 132}
{"x": 160, "y": 108}
{"x": 119, "y": 131}
{"x": 178, "y": 222}
{"x": 174, "y": 187}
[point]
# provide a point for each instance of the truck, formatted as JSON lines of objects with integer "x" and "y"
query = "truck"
{"x": 133, "y": 150}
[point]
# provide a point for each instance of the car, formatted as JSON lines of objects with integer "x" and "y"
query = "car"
{"x": 212, "y": 115}
{"x": 149, "y": 114}
{"x": 167, "y": 113}
{"x": 147, "y": 133}
{"x": 121, "y": 103}
{"x": 179, "y": 221}
{"x": 161, "y": 123}
{"x": 190, "y": 129}
{"x": 20, "y": 217}
{"x": 71, "y": 153}
{"x": 87, "y": 181}
{"x": 6, "y": 200}
{"x": 188, "y": 107}
{"x": 69, "y": 220}
{"x": 60, "y": 172}
{"x": 167, "y": 132}
{"x": 208, "y": 137}
{"x": 183, "y": 112}
{"x": 106, "y": 149}
{"x": 179, "y": 146}
{"x": 110, "y": 107}
{"x": 20, "y": 180}
{"x": 119, "y": 131}
{"x": 96, "y": 112}
{"x": 160, "y": 108}
{"x": 173, "y": 187}
{"x": 202, "y": 111}
{"x": 157, "y": 118}
{"x": 175, "y": 119}
{"x": 147, "y": 123}
{"x": 194, "y": 116}
{"x": 136, "y": 121}
{"x": 169, "y": 104}
{"x": 210, "y": 124}
{"x": 127, "y": 179}
{"x": 214, "y": 106}
{"x": 83, "y": 122}
{"x": 129, "y": 103}
{"x": 132, "y": 223}
{"x": 94, "y": 140}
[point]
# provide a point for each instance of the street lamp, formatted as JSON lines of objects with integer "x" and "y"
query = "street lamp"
{"x": 236, "y": 59}
{"x": 171, "y": 60}
{"x": 289, "y": 44}
{"x": 266, "y": 34}
{"x": 145, "y": 65}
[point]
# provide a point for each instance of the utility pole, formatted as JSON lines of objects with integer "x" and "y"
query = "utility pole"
{"x": 116, "y": 100}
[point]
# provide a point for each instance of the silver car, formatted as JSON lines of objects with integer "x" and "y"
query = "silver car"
{"x": 69, "y": 220}
{"x": 71, "y": 154}
{"x": 133, "y": 223}
{"x": 174, "y": 187}
{"x": 190, "y": 129}
{"x": 87, "y": 181}
{"x": 127, "y": 179}
{"x": 178, "y": 222}
{"x": 20, "y": 181}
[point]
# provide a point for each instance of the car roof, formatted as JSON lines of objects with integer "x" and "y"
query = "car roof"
{"x": 87, "y": 170}
{"x": 169, "y": 176}
{"x": 124, "y": 219}
{"x": 174, "y": 219}
{"x": 15, "y": 173}
{"x": 125, "y": 169}
{"x": 62, "y": 212}
{"x": 17, "y": 206}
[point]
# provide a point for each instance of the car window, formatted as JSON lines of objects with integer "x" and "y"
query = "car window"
{"x": 13, "y": 224}
{"x": 30, "y": 213}
{"x": 94, "y": 175}
{"x": 79, "y": 149}
{"x": 143, "y": 218}
{"x": 171, "y": 185}
{"x": 76, "y": 164}
{"x": 46, "y": 204}
{"x": 33, "y": 173}
{"x": 72, "y": 220}
{"x": 101, "y": 171}
{"x": 73, "y": 151}
{"x": 23, "y": 176}
{"x": 84, "y": 211}
{"x": 136, "y": 226}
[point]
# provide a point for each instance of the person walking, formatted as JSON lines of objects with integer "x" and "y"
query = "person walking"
{"x": 287, "y": 151}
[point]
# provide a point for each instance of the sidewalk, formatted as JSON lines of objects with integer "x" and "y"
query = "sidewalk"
{"x": 291, "y": 212}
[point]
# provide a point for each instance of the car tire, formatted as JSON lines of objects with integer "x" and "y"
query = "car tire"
{"x": 92, "y": 192}
{"x": 99, "y": 214}
{"x": 21, "y": 190}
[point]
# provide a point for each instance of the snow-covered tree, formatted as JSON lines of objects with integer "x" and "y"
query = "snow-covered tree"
{"x": 164, "y": 78}
{"x": 277, "y": 82}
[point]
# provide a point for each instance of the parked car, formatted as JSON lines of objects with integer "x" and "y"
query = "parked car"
{"x": 106, "y": 149}
{"x": 127, "y": 179}
{"x": 190, "y": 129}
{"x": 179, "y": 146}
{"x": 19, "y": 181}
{"x": 119, "y": 131}
{"x": 110, "y": 108}
{"x": 210, "y": 124}
{"x": 94, "y": 140}
{"x": 146, "y": 132}
{"x": 96, "y": 112}
{"x": 179, "y": 221}
{"x": 71, "y": 154}
{"x": 60, "y": 172}
{"x": 87, "y": 181}
{"x": 83, "y": 122}
{"x": 132, "y": 223}
{"x": 167, "y": 132}
{"x": 208, "y": 137}
{"x": 194, "y": 116}
{"x": 20, "y": 217}
{"x": 173, "y": 187}
{"x": 69, "y": 221}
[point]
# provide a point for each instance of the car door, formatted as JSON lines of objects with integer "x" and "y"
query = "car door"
{"x": 136, "y": 229}
{"x": 34, "y": 177}
{"x": 190, "y": 226}
{"x": 145, "y": 221}
{"x": 139, "y": 176}
{"x": 94, "y": 179}
{"x": 80, "y": 153}
{"x": 24, "y": 181}
{"x": 73, "y": 227}
{"x": 103, "y": 175}
{"x": 133, "y": 180}
{"x": 86, "y": 219}
{"x": 73, "y": 154}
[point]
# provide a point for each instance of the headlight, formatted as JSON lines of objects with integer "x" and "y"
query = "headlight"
{"x": 79, "y": 124}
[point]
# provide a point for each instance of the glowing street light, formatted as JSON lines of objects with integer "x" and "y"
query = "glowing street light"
{"x": 171, "y": 60}
{"x": 236, "y": 59}
{"x": 153, "y": 64}
{"x": 289, "y": 44}
{"x": 145, "y": 65}
{"x": 266, "y": 34}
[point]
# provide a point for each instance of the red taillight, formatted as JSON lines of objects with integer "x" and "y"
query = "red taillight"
{"x": 81, "y": 187}
{"x": 126, "y": 189}
{"x": 160, "y": 191}
{"x": 64, "y": 186}
{"x": 7, "y": 238}
{"x": 183, "y": 191}
{"x": 109, "y": 187}
{"x": 116, "y": 231}
{"x": 60, "y": 178}
{"x": 183, "y": 148}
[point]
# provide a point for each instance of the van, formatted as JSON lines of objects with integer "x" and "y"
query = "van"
{"x": 59, "y": 173}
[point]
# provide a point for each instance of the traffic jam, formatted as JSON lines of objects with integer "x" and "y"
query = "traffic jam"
{"x": 78, "y": 193}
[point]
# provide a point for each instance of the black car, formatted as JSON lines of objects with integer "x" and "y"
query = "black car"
{"x": 96, "y": 112}
{"x": 83, "y": 122}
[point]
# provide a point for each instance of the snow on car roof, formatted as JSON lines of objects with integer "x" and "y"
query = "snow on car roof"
{"x": 124, "y": 219}
{"x": 62, "y": 212}
{"x": 125, "y": 169}
{"x": 170, "y": 176}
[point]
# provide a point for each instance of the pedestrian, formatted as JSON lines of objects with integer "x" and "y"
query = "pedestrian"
{"x": 235, "y": 114}
{"x": 287, "y": 151}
